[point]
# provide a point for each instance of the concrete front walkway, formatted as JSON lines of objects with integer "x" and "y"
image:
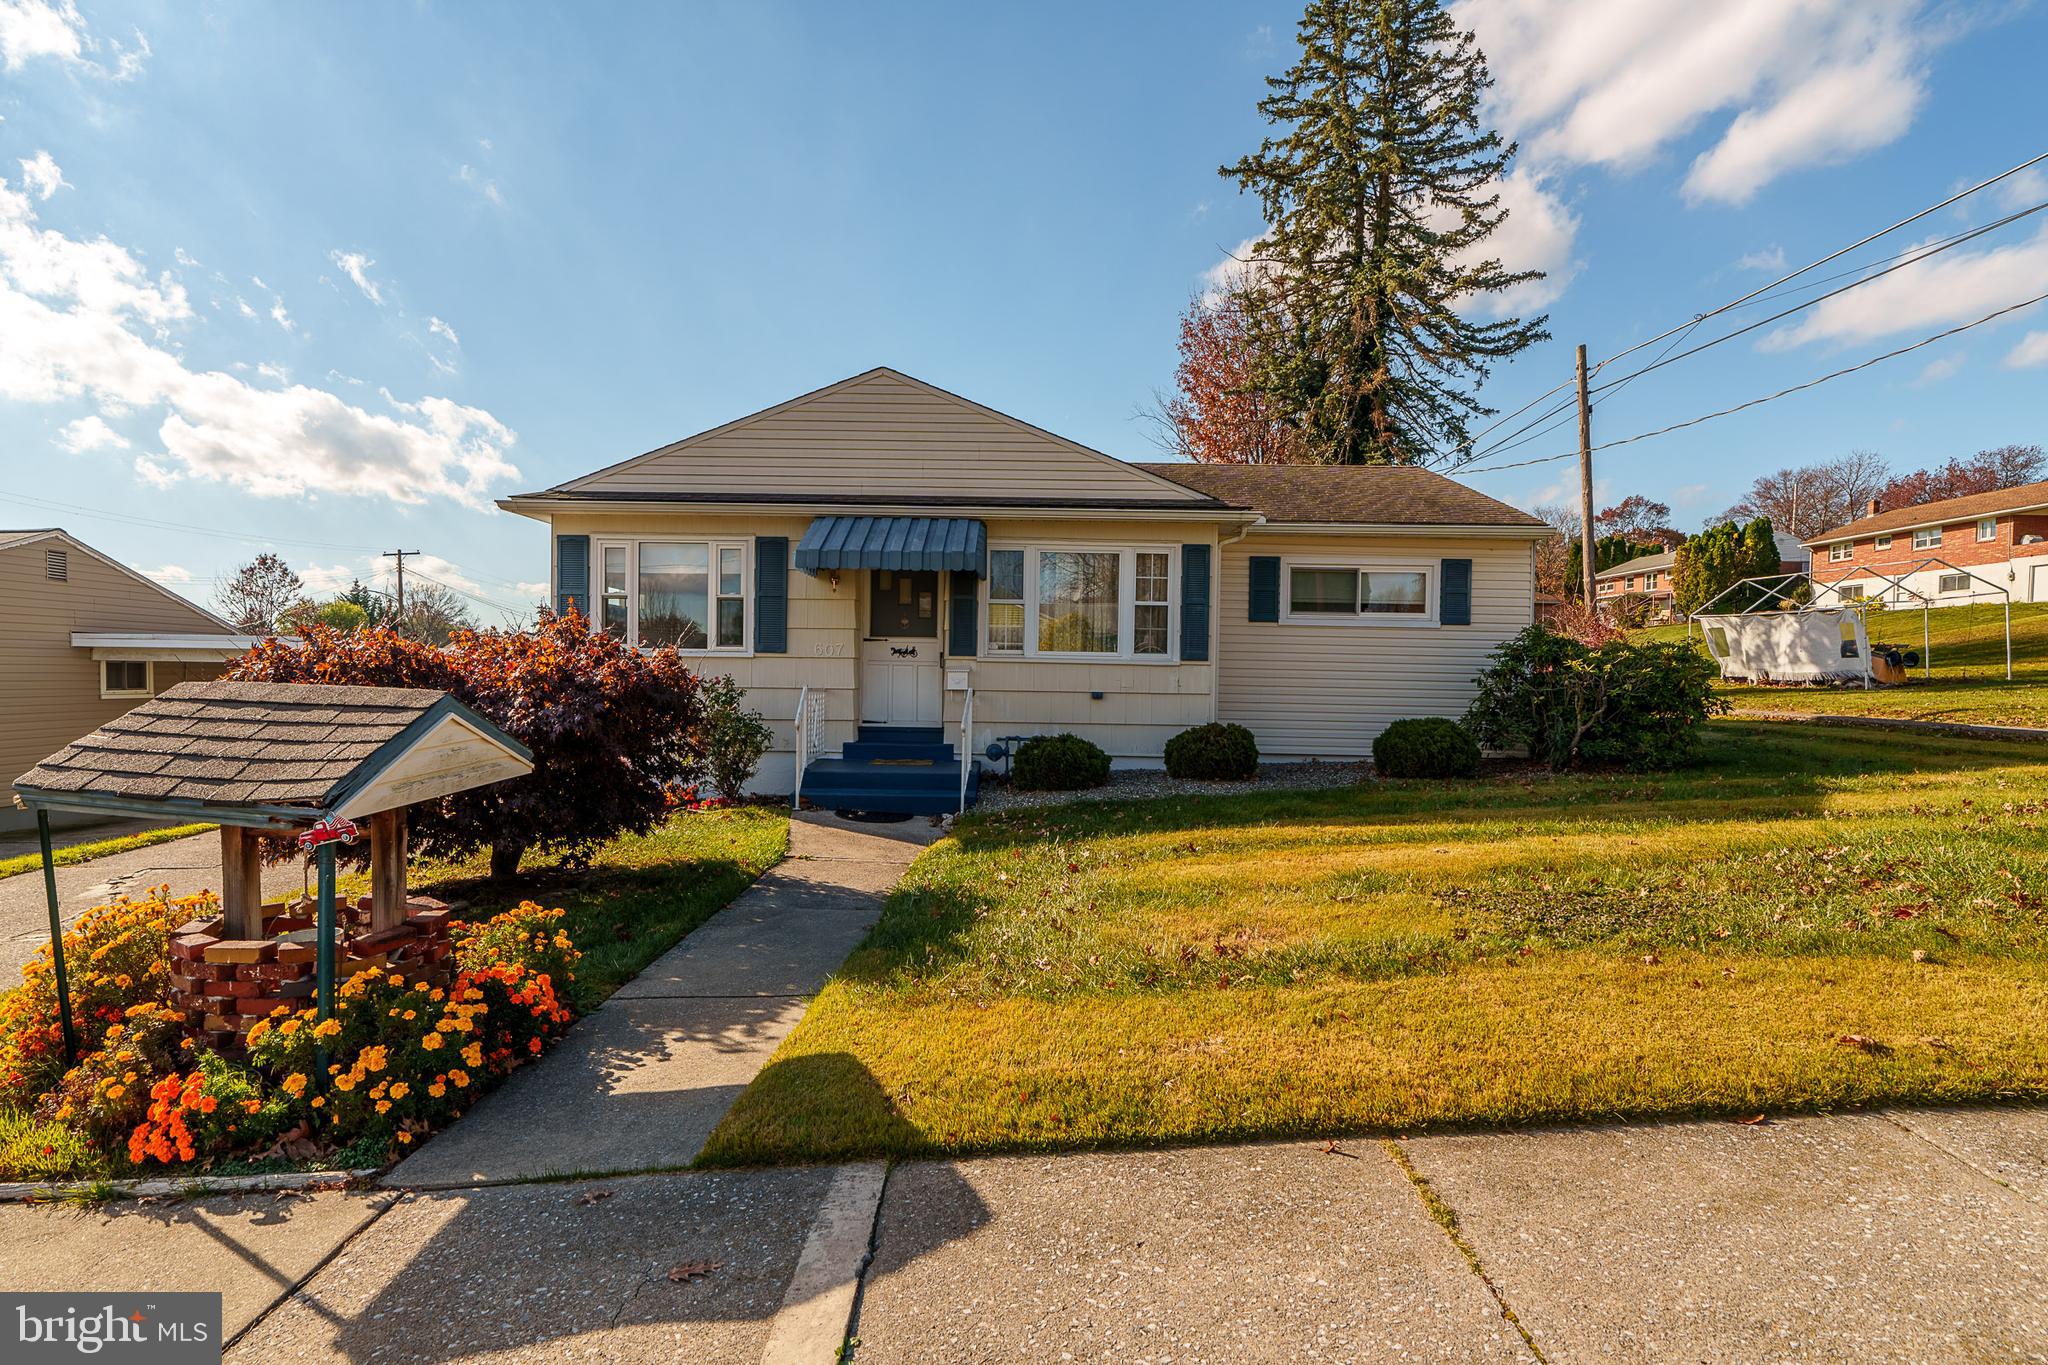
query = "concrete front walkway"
{"x": 640, "y": 1082}
{"x": 187, "y": 865}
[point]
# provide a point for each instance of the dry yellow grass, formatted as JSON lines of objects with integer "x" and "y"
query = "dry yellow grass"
{"x": 1514, "y": 950}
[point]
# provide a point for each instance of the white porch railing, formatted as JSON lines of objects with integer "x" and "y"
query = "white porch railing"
{"x": 810, "y": 737}
{"x": 966, "y": 744}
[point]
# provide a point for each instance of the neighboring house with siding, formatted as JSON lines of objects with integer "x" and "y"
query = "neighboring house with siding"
{"x": 2000, "y": 536}
{"x": 883, "y": 551}
{"x": 87, "y": 639}
{"x": 1647, "y": 579}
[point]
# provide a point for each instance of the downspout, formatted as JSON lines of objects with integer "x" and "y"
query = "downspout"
{"x": 1216, "y": 620}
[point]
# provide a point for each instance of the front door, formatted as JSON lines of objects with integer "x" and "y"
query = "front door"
{"x": 899, "y": 658}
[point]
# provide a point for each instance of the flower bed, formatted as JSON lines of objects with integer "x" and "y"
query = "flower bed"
{"x": 404, "y": 1053}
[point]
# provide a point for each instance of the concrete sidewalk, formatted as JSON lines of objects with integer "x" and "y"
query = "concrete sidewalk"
{"x": 640, "y": 1082}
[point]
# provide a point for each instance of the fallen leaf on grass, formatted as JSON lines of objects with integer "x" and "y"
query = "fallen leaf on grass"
{"x": 1864, "y": 1043}
{"x": 692, "y": 1270}
{"x": 593, "y": 1196}
{"x": 1938, "y": 1044}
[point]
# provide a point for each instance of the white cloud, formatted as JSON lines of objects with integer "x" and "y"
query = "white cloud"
{"x": 2024, "y": 190}
{"x": 90, "y": 433}
{"x": 42, "y": 177}
{"x": 83, "y": 319}
{"x": 1228, "y": 273}
{"x": 1538, "y": 234}
{"x": 278, "y": 313}
{"x": 1614, "y": 82}
{"x": 482, "y": 184}
{"x": 321, "y": 580}
{"x": 533, "y": 590}
{"x": 440, "y": 328}
{"x": 1946, "y": 367}
{"x": 2032, "y": 350}
{"x": 37, "y": 28}
{"x": 168, "y": 573}
{"x": 55, "y": 29}
{"x": 356, "y": 266}
{"x": 1956, "y": 286}
{"x": 1770, "y": 260}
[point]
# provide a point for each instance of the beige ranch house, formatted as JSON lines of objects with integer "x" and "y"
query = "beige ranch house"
{"x": 900, "y": 577}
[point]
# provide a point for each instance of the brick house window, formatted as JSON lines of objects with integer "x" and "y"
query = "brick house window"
{"x": 1927, "y": 538}
{"x": 1953, "y": 582}
{"x": 1987, "y": 528}
{"x": 1840, "y": 551}
{"x": 1883, "y": 542}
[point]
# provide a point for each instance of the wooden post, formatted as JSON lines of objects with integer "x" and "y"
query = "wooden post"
{"x": 387, "y": 869}
{"x": 241, "y": 883}
{"x": 1585, "y": 487}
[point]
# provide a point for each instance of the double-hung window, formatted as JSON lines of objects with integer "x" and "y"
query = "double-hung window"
{"x": 1987, "y": 528}
{"x": 1373, "y": 593}
{"x": 1840, "y": 551}
{"x": 1080, "y": 602}
{"x": 690, "y": 594}
{"x": 1927, "y": 538}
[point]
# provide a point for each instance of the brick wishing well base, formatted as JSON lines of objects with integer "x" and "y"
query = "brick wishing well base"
{"x": 224, "y": 985}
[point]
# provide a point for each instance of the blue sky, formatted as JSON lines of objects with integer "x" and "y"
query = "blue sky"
{"x": 332, "y": 278}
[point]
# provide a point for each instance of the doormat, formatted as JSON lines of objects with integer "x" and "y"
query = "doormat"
{"x": 871, "y": 817}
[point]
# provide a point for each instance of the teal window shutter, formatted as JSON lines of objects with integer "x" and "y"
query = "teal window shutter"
{"x": 1456, "y": 593}
{"x": 572, "y": 574}
{"x": 771, "y": 594}
{"x": 1265, "y": 593}
{"x": 963, "y": 631}
{"x": 1194, "y": 602}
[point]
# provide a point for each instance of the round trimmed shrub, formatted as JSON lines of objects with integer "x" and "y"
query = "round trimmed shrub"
{"x": 1429, "y": 747}
{"x": 1059, "y": 763}
{"x": 1213, "y": 753}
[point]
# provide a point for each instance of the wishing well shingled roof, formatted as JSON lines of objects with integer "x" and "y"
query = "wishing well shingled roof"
{"x": 232, "y": 743}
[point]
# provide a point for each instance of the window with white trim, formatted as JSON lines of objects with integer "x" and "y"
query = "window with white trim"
{"x": 1850, "y": 592}
{"x": 1927, "y": 538}
{"x": 1953, "y": 582}
{"x": 1987, "y": 529}
{"x": 1840, "y": 551}
{"x": 1883, "y": 542}
{"x": 1374, "y": 594}
{"x": 691, "y": 594}
{"x": 124, "y": 678}
{"x": 1083, "y": 601}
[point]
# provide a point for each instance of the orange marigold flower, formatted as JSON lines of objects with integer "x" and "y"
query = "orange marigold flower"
{"x": 432, "y": 1042}
{"x": 383, "y": 1106}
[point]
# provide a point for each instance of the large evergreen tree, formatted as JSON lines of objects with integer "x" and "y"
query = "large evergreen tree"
{"x": 1380, "y": 189}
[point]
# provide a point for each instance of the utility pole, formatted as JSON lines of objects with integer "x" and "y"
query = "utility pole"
{"x": 400, "y": 555}
{"x": 1585, "y": 485}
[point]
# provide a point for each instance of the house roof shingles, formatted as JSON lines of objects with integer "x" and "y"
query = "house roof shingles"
{"x": 1345, "y": 495}
{"x": 1641, "y": 564}
{"x": 238, "y": 744}
{"x": 1945, "y": 511}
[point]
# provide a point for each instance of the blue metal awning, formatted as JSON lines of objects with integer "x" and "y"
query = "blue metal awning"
{"x": 910, "y": 543}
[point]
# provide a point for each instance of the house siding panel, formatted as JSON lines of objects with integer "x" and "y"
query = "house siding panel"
{"x": 1327, "y": 690}
{"x": 882, "y": 431}
{"x": 49, "y": 690}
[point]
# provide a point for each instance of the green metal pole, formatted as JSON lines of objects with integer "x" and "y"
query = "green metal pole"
{"x": 57, "y": 939}
{"x": 323, "y": 952}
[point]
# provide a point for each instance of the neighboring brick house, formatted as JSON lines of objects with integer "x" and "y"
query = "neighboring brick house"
{"x": 1648, "y": 577}
{"x": 2001, "y": 536}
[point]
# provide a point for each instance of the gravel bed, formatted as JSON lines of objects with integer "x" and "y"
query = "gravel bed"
{"x": 1138, "y": 784}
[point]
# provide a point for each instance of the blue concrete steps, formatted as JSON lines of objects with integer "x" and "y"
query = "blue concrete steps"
{"x": 898, "y": 770}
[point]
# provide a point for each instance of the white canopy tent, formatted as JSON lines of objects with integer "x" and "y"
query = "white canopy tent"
{"x": 1798, "y": 630}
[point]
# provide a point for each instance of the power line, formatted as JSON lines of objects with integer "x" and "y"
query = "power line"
{"x": 1832, "y": 256}
{"x": 1781, "y": 393}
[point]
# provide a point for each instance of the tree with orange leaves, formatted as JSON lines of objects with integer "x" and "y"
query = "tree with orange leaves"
{"x": 1217, "y": 415}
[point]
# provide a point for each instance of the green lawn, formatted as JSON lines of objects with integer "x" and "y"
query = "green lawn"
{"x": 85, "y": 853}
{"x": 1517, "y": 949}
{"x": 1968, "y": 658}
{"x": 640, "y": 896}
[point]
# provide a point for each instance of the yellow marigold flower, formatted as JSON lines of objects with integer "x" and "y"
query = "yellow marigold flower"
{"x": 399, "y": 1090}
{"x": 256, "y": 1030}
{"x": 397, "y": 980}
{"x": 288, "y": 1027}
{"x": 461, "y": 1078}
{"x": 327, "y": 1028}
{"x": 318, "y": 1102}
{"x": 295, "y": 1084}
{"x": 405, "y": 1137}
{"x": 346, "y": 1081}
{"x": 383, "y": 1106}
{"x": 410, "y": 1014}
{"x": 113, "y": 1031}
{"x": 437, "y": 1090}
{"x": 474, "y": 1054}
{"x": 432, "y": 1042}
{"x": 193, "y": 1042}
{"x": 372, "y": 1058}
{"x": 114, "y": 1092}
